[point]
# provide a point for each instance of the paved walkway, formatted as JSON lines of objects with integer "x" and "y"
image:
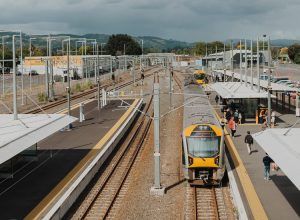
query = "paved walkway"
{"x": 280, "y": 198}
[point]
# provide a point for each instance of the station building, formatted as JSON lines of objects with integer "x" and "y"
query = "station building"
{"x": 223, "y": 60}
{"x": 82, "y": 66}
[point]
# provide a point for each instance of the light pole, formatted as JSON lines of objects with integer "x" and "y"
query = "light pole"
{"x": 68, "y": 78}
{"x": 22, "y": 70}
{"x": 246, "y": 64}
{"x": 30, "y": 54}
{"x": 241, "y": 59}
{"x": 269, "y": 83}
{"x": 3, "y": 63}
{"x": 51, "y": 66}
{"x": 263, "y": 57}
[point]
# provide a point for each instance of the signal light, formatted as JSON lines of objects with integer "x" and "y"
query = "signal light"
{"x": 190, "y": 161}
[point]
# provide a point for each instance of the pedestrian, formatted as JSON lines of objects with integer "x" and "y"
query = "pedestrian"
{"x": 240, "y": 118}
{"x": 273, "y": 119}
{"x": 249, "y": 142}
{"x": 228, "y": 114}
{"x": 113, "y": 78}
{"x": 267, "y": 164}
{"x": 223, "y": 122}
{"x": 217, "y": 99}
{"x": 261, "y": 117}
{"x": 232, "y": 126}
{"x": 142, "y": 77}
{"x": 236, "y": 116}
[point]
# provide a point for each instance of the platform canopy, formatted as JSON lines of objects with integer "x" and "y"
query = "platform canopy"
{"x": 18, "y": 135}
{"x": 263, "y": 83}
{"x": 284, "y": 149}
{"x": 237, "y": 90}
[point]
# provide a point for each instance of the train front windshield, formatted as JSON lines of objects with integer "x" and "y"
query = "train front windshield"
{"x": 199, "y": 76}
{"x": 203, "y": 146}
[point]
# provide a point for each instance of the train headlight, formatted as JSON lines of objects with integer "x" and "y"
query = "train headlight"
{"x": 190, "y": 161}
{"x": 217, "y": 160}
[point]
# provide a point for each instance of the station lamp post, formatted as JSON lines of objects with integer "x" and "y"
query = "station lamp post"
{"x": 269, "y": 82}
{"x": 30, "y": 54}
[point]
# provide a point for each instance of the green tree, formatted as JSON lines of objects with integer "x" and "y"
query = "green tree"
{"x": 115, "y": 45}
{"x": 293, "y": 51}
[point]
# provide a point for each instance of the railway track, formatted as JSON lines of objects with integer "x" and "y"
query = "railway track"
{"x": 84, "y": 94}
{"x": 101, "y": 199}
{"x": 213, "y": 203}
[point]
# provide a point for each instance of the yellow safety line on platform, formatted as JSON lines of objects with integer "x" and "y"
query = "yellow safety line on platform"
{"x": 39, "y": 210}
{"x": 254, "y": 202}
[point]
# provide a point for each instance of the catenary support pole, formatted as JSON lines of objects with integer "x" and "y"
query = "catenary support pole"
{"x": 241, "y": 59}
{"x": 246, "y": 64}
{"x": 251, "y": 67}
{"x": 231, "y": 61}
{"x": 69, "y": 82}
{"x": 156, "y": 189}
{"x": 257, "y": 65}
{"x": 22, "y": 70}
{"x": 14, "y": 80}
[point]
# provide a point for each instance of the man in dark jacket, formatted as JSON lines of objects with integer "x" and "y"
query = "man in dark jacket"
{"x": 267, "y": 164}
{"x": 249, "y": 141}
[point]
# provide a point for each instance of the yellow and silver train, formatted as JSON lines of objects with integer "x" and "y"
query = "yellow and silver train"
{"x": 202, "y": 140}
{"x": 199, "y": 77}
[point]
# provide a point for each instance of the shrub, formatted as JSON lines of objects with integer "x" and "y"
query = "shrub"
{"x": 42, "y": 97}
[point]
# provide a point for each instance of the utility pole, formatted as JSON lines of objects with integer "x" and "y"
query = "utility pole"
{"x": 157, "y": 189}
{"x": 269, "y": 83}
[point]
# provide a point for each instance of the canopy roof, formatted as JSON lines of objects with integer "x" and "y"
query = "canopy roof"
{"x": 263, "y": 83}
{"x": 18, "y": 135}
{"x": 237, "y": 90}
{"x": 284, "y": 149}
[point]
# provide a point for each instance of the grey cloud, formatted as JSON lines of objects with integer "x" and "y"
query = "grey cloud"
{"x": 189, "y": 20}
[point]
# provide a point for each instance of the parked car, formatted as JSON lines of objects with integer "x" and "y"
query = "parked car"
{"x": 33, "y": 73}
{"x": 284, "y": 81}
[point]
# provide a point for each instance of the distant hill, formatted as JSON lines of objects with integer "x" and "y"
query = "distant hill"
{"x": 151, "y": 43}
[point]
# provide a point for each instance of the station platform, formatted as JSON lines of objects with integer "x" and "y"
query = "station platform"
{"x": 40, "y": 185}
{"x": 275, "y": 199}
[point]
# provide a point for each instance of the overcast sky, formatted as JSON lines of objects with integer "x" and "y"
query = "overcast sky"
{"x": 186, "y": 20}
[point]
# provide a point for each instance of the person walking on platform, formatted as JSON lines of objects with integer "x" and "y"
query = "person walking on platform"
{"x": 228, "y": 114}
{"x": 142, "y": 78}
{"x": 223, "y": 122}
{"x": 236, "y": 116}
{"x": 249, "y": 141}
{"x": 267, "y": 164}
{"x": 217, "y": 99}
{"x": 232, "y": 126}
{"x": 273, "y": 119}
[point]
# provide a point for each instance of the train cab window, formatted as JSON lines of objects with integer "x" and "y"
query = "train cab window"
{"x": 199, "y": 76}
{"x": 203, "y": 146}
{"x": 203, "y": 142}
